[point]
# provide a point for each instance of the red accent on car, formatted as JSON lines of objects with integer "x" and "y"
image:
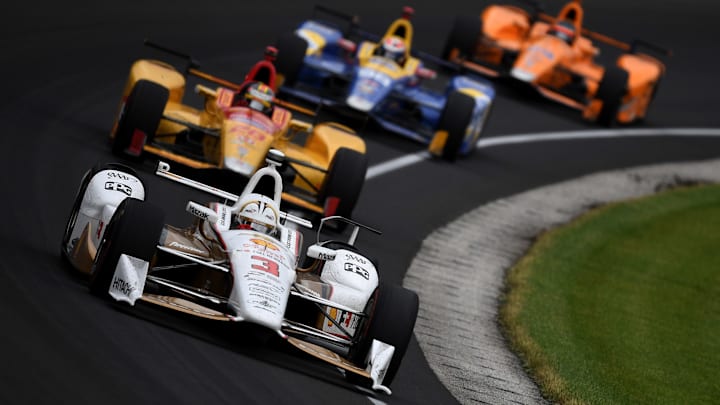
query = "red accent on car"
{"x": 565, "y": 30}
{"x": 271, "y": 53}
{"x": 137, "y": 142}
{"x": 425, "y": 73}
{"x": 347, "y": 45}
{"x": 331, "y": 204}
{"x": 407, "y": 12}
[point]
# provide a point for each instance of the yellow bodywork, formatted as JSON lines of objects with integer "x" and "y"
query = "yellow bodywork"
{"x": 384, "y": 65}
{"x": 243, "y": 136}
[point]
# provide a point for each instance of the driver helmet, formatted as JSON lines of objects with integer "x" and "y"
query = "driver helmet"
{"x": 564, "y": 30}
{"x": 394, "y": 48}
{"x": 258, "y": 212}
{"x": 259, "y": 97}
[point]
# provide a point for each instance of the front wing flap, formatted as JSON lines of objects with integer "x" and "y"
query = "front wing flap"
{"x": 379, "y": 359}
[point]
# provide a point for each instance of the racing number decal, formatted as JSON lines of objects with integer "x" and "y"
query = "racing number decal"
{"x": 266, "y": 265}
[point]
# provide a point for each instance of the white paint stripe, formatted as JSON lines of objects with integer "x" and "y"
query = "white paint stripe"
{"x": 408, "y": 160}
{"x": 596, "y": 134}
{"x": 396, "y": 164}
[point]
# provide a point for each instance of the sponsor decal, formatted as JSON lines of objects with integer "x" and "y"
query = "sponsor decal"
{"x": 355, "y": 258}
{"x": 264, "y": 243}
{"x": 540, "y": 51}
{"x": 266, "y": 265}
{"x": 187, "y": 248}
{"x": 123, "y": 188}
{"x": 122, "y": 286}
{"x": 369, "y": 74}
{"x": 354, "y": 268}
{"x": 256, "y": 125}
{"x": 128, "y": 279}
{"x": 344, "y": 318}
{"x": 368, "y": 86}
{"x": 223, "y": 216}
{"x": 224, "y": 98}
{"x": 120, "y": 176}
{"x": 198, "y": 213}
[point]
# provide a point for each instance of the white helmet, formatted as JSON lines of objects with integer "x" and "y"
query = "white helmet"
{"x": 394, "y": 48}
{"x": 258, "y": 212}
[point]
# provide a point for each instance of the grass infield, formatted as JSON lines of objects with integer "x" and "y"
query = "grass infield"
{"x": 622, "y": 306}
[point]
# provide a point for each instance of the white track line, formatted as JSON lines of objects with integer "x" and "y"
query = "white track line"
{"x": 408, "y": 160}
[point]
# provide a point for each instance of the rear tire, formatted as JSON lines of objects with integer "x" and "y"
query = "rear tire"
{"x": 141, "y": 114}
{"x": 134, "y": 230}
{"x": 392, "y": 320}
{"x": 463, "y": 37}
{"x": 72, "y": 219}
{"x": 344, "y": 181}
{"x": 611, "y": 90}
{"x": 291, "y": 56}
{"x": 455, "y": 119}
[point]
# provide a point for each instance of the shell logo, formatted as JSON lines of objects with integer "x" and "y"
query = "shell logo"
{"x": 263, "y": 242}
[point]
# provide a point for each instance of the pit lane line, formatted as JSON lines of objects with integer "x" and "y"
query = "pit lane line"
{"x": 409, "y": 160}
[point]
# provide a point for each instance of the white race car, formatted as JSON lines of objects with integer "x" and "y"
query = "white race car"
{"x": 239, "y": 262}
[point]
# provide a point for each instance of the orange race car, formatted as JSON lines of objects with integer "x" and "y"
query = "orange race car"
{"x": 557, "y": 56}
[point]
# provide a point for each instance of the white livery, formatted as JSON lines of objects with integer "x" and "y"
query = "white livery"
{"x": 239, "y": 262}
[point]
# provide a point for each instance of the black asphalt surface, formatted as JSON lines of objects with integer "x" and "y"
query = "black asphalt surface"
{"x": 63, "y": 66}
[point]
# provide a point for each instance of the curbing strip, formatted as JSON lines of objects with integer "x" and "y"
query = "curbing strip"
{"x": 460, "y": 268}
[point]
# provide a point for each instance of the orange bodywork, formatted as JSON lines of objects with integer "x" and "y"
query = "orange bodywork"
{"x": 242, "y": 136}
{"x": 556, "y": 55}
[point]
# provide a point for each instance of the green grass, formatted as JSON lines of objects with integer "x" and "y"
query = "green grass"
{"x": 622, "y": 306}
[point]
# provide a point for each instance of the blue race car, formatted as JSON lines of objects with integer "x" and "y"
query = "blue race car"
{"x": 382, "y": 79}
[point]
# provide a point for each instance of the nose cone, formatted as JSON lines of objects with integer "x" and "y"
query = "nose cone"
{"x": 523, "y": 75}
{"x": 360, "y": 103}
{"x": 539, "y": 60}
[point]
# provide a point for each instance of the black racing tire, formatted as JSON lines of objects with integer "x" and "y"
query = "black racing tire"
{"x": 344, "y": 180}
{"x": 291, "y": 56}
{"x": 611, "y": 90}
{"x": 134, "y": 230}
{"x": 463, "y": 36}
{"x": 142, "y": 112}
{"x": 455, "y": 119}
{"x": 392, "y": 314}
{"x": 72, "y": 219}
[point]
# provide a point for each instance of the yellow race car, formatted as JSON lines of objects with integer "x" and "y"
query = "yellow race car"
{"x": 234, "y": 131}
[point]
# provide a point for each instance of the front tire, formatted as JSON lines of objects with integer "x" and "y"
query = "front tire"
{"x": 65, "y": 247}
{"x": 343, "y": 182}
{"x": 134, "y": 230}
{"x": 139, "y": 118}
{"x": 290, "y": 59}
{"x": 611, "y": 90}
{"x": 392, "y": 320}
{"x": 455, "y": 119}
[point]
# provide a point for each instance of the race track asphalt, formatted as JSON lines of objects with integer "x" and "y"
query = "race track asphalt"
{"x": 64, "y": 65}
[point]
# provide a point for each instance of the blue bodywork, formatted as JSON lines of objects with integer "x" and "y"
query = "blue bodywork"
{"x": 394, "y": 98}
